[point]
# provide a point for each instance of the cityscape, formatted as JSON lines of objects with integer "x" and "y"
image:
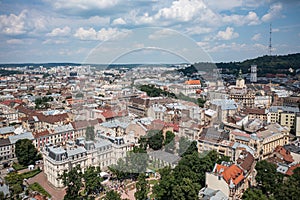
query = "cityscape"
{"x": 181, "y": 100}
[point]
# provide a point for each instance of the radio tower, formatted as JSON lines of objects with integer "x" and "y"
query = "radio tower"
{"x": 270, "y": 42}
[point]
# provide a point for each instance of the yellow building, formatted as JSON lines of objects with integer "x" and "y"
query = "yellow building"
{"x": 283, "y": 115}
{"x": 264, "y": 141}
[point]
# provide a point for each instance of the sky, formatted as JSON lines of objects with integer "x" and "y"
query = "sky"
{"x": 146, "y": 31}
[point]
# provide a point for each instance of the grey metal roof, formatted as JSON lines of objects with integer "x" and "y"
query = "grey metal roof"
{"x": 284, "y": 109}
{"x": 75, "y": 151}
{"x": 211, "y": 194}
{"x": 165, "y": 156}
{"x": 114, "y": 124}
{"x": 64, "y": 128}
{"x": 225, "y": 104}
{"x": 8, "y": 129}
{"x": 14, "y": 138}
{"x": 249, "y": 149}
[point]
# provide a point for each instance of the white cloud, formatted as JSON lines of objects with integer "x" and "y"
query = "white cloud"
{"x": 83, "y": 4}
{"x": 274, "y": 12}
{"x": 60, "y": 32}
{"x": 15, "y": 41}
{"x": 256, "y": 37}
{"x": 196, "y": 30}
{"x": 228, "y": 47}
{"x": 224, "y": 4}
{"x": 228, "y": 34}
{"x": 250, "y": 19}
{"x": 102, "y": 35}
{"x": 161, "y": 34}
{"x": 13, "y": 24}
{"x": 119, "y": 21}
{"x": 50, "y": 41}
{"x": 84, "y": 34}
{"x": 182, "y": 10}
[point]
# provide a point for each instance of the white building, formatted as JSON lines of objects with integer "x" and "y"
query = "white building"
{"x": 57, "y": 159}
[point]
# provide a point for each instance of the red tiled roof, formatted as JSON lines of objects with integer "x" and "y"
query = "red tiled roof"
{"x": 158, "y": 124}
{"x": 193, "y": 82}
{"x": 285, "y": 154}
{"x": 108, "y": 114}
{"x": 51, "y": 119}
{"x": 255, "y": 111}
{"x": 84, "y": 124}
{"x": 291, "y": 169}
{"x": 240, "y": 133}
{"x": 40, "y": 134}
{"x": 9, "y": 102}
{"x": 233, "y": 173}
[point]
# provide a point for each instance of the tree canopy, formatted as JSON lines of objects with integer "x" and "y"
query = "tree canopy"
{"x": 72, "y": 180}
{"x": 26, "y": 152}
{"x": 155, "y": 139}
{"x": 142, "y": 187}
{"x": 187, "y": 178}
{"x": 92, "y": 180}
{"x": 273, "y": 185}
{"x": 112, "y": 195}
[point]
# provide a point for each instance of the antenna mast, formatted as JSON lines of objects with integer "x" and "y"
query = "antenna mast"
{"x": 270, "y": 42}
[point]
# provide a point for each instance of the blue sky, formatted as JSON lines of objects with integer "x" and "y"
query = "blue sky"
{"x": 129, "y": 31}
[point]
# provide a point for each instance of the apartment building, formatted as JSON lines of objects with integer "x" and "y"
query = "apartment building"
{"x": 283, "y": 115}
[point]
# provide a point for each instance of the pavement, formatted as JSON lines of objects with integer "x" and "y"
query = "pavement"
{"x": 56, "y": 193}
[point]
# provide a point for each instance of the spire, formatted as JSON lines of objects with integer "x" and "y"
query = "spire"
{"x": 240, "y": 75}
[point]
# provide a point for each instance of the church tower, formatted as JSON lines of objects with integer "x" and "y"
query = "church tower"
{"x": 240, "y": 81}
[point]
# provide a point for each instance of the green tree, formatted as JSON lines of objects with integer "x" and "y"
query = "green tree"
{"x": 15, "y": 181}
{"x": 72, "y": 180}
{"x": 191, "y": 148}
{"x": 254, "y": 194}
{"x": 142, "y": 188}
{"x": 155, "y": 139}
{"x": 169, "y": 137}
{"x": 112, "y": 195}
{"x": 90, "y": 133}
{"x": 26, "y": 152}
{"x": 201, "y": 102}
{"x": 2, "y": 197}
{"x": 267, "y": 177}
{"x": 186, "y": 190}
{"x": 163, "y": 190}
{"x": 92, "y": 180}
{"x": 169, "y": 142}
{"x": 289, "y": 189}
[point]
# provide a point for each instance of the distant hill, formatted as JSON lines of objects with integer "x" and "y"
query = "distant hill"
{"x": 265, "y": 64}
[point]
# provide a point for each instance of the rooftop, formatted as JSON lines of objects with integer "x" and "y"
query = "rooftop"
{"x": 14, "y": 138}
{"x": 165, "y": 156}
{"x": 6, "y": 130}
{"x": 284, "y": 109}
